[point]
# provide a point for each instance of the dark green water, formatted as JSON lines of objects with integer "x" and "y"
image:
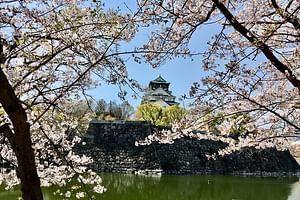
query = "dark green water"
{"x": 130, "y": 187}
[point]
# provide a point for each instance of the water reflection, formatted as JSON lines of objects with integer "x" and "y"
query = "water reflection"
{"x": 132, "y": 187}
{"x": 295, "y": 191}
{"x": 122, "y": 183}
{"x": 199, "y": 188}
{"x": 7, "y": 195}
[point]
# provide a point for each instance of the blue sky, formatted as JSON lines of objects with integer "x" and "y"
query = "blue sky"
{"x": 180, "y": 72}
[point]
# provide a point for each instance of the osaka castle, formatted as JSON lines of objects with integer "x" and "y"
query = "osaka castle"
{"x": 158, "y": 93}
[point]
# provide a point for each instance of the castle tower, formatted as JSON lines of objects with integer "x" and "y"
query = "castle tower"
{"x": 158, "y": 93}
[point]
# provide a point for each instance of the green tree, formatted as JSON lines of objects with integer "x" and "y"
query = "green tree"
{"x": 239, "y": 126}
{"x": 213, "y": 120}
{"x": 158, "y": 115}
{"x": 173, "y": 114}
{"x": 150, "y": 112}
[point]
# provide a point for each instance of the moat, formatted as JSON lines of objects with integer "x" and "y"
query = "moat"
{"x": 132, "y": 187}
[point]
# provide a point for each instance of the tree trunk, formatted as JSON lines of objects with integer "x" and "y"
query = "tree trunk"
{"x": 30, "y": 182}
{"x": 21, "y": 141}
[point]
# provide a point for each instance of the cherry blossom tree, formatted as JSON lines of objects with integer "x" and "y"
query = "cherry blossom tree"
{"x": 50, "y": 53}
{"x": 251, "y": 64}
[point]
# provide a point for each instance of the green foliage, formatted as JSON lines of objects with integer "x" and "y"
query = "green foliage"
{"x": 160, "y": 116}
{"x": 239, "y": 128}
{"x": 173, "y": 114}
{"x": 150, "y": 112}
{"x": 236, "y": 122}
{"x": 214, "y": 120}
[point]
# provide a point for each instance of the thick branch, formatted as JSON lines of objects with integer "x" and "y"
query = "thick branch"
{"x": 10, "y": 102}
{"x": 259, "y": 44}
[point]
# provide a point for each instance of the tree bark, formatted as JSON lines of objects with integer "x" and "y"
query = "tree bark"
{"x": 22, "y": 147}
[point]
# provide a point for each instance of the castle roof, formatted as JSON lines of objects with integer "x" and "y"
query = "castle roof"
{"x": 159, "y": 79}
{"x": 158, "y": 92}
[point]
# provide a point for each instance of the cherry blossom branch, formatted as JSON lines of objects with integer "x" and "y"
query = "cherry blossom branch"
{"x": 89, "y": 68}
{"x": 293, "y": 19}
{"x": 284, "y": 69}
{"x": 63, "y": 157}
{"x": 45, "y": 60}
{"x": 278, "y": 136}
{"x": 265, "y": 107}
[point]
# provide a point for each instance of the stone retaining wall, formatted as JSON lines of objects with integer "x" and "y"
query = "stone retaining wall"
{"x": 111, "y": 145}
